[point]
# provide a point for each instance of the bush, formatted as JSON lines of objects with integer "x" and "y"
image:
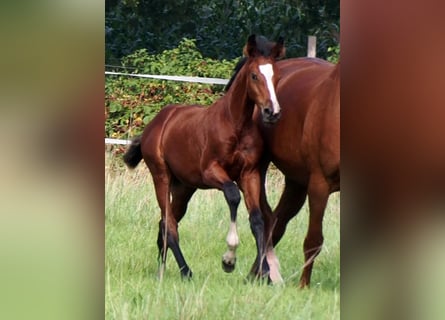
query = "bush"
{"x": 130, "y": 103}
{"x": 220, "y": 27}
{"x": 334, "y": 54}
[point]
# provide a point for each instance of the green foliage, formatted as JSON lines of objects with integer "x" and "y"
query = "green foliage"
{"x": 334, "y": 54}
{"x": 220, "y": 27}
{"x": 130, "y": 103}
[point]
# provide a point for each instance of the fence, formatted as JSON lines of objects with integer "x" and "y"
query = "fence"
{"x": 311, "y": 52}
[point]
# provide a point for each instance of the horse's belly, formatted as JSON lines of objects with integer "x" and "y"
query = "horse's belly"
{"x": 184, "y": 166}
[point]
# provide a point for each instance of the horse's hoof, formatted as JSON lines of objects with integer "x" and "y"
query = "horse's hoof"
{"x": 228, "y": 267}
{"x": 186, "y": 275}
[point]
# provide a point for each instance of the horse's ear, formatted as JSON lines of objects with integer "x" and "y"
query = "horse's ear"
{"x": 250, "y": 49}
{"x": 278, "y": 51}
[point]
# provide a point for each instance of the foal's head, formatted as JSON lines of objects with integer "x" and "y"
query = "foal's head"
{"x": 262, "y": 78}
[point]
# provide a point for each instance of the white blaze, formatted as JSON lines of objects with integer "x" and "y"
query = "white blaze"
{"x": 267, "y": 71}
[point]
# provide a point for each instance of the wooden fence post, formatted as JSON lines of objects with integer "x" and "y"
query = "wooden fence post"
{"x": 312, "y": 46}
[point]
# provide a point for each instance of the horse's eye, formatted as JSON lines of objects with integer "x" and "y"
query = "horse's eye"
{"x": 254, "y": 76}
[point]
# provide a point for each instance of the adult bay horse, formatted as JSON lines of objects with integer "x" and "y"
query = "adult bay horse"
{"x": 191, "y": 147}
{"x": 305, "y": 146}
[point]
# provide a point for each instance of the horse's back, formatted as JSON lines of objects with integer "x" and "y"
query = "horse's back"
{"x": 303, "y": 67}
{"x": 153, "y": 137}
{"x": 289, "y": 67}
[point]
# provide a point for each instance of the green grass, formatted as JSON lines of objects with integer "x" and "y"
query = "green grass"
{"x": 133, "y": 290}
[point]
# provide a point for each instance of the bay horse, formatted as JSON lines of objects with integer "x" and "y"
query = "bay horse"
{"x": 305, "y": 146}
{"x": 191, "y": 147}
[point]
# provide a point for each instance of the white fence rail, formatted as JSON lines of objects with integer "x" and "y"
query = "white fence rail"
{"x": 172, "y": 78}
{"x": 116, "y": 141}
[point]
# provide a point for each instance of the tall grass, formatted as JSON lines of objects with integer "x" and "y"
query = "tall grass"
{"x": 133, "y": 290}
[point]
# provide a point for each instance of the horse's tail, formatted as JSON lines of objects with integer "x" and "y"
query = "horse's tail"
{"x": 134, "y": 154}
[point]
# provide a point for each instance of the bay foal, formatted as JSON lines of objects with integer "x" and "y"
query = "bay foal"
{"x": 191, "y": 147}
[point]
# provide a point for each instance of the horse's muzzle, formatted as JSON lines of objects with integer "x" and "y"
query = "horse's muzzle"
{"x": 269, "y": 117}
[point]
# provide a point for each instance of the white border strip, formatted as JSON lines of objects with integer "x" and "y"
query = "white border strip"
{"x": 116, "y": 141}
{"x": 174, "y": 78}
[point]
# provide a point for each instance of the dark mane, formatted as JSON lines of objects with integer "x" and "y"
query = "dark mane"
{"x": 264, "y": 46}
{"x": 236, "y": 70}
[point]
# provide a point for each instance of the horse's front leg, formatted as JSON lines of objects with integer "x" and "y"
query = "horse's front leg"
{"x": 290, "y": 203}
{"x": 250, "y": 183}
{"x": 217, "y": 177}
{"x": 233, "y": 198}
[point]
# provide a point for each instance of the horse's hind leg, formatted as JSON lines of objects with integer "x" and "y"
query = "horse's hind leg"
{"x": 291, "y": 201}
{"x": 168, "y": 227}
{"x": 318, "y": 196}
{"x": 180, "y": 197}
{"x": 162, "y": 247}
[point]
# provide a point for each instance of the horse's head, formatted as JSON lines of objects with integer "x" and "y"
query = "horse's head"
{"x": 264, "y": 46}
{"x": 262, "y": 78}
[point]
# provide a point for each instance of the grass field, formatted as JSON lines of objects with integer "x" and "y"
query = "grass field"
{"x": 133, "y": 290}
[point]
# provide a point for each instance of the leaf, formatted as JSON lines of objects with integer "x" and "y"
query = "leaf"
{"x": 115, "y": 107}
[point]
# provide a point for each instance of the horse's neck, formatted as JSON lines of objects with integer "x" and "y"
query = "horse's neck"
{"x": 238, "y": 104}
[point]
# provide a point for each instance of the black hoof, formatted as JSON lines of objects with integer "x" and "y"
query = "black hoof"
{"x": 228, "y": 267}
{"x": 186, "y": 275}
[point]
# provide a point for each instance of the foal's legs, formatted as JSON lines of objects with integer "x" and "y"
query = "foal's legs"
{"x": 217, "y": 177}
{"x": 168, "y": 225}
{"x": 233, "y": 198}
{"x": 318, "y": 196}
{"x": 251, "y": 185}
{"x": 180, "y": 198}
